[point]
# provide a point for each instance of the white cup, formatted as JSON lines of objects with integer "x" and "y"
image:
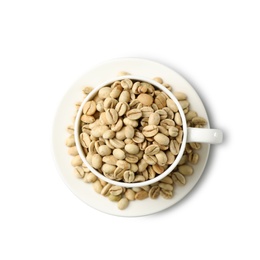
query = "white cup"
{"x": 200, "y": 135}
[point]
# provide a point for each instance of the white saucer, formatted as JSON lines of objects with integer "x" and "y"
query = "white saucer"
{"x": 66, "y": 110}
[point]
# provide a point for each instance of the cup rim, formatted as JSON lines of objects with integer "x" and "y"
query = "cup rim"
{"x": 121, "y": 183}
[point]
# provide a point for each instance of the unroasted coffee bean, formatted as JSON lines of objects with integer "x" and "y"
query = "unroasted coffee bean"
{"x": 166, "y": 186}
{"x": 89, "y": 108}
{"x": 179, "y": 136}
{"x": 145, "y": 99}
{"x": 92, "y": 149}
{"x": 150, "y": 130}
{"x": 104, "y": 92}
{"x": 131, "y": 158}
{"x": 89, "y": 158}
{"x": 119, "y": 154}
{"x": 173, "y": 131}
{"x": 96, "y": 161}
{"x": 138, "y": 137}
{"x": 170, "y": 114}
{"x": 130, "y": 194}
{"x": 117, "y": 143}
{"x": 163, "y": 130}
{"x": 120, "y": 135}
{"x": 134, "y": 114}
{"x": 132, "y": 148}
{"x": 110, "y": 103}
{"x": 167, "y": 180}
{"x": 118, "y": 174}
{"x": 160, "y": 101}
{"x": 198, "y": 121}
{"x": 104, "y": 150}
{"x": 128, "y": 141}
{"x": 114, "y": 197}
{"x": 76, "y": 161}
{"x": 126, "y": 83}
{"x": 73, "y": 151}
{"x": 161, "y": 139}
{"x": 180, "y": 95}
{"x": 177, "y": 118}
{"x": 170, "y": 157}
{"x": 193, "y": 158}
{"x": 150, "y": 159}
{"x": 139, "y": 178}
{"x": 110, "y": 159}
{"x": 185, "y": 169}
{"x": 174, "y": 147}
{"x": 123, "y": 203}
{"x": 124, "y": 96}
{"x": 116, "y": 91}
{"x": 178, "y": 178}
{"x": 162, "y": 113}
{"x": 84, "y": 140}
{"x": 141, "y": 195}
{"x": 121, "y": 108}
{"x": 98, "y": 131}
{"x": 154, "y": 192}
{"x": 142, "y": 146}
{"x": 162, "y": 147}
{"x": 167, "y": 123}
{"x": 154, "y": 119}
{"x": 145, "y": 175}
{"x": 129, "y": 176}
{"x": 195, "y": 146}
{"x": 111, "y": 116}
{"x": 158, "y": 168}
{"x": 123, "y": 164}
{"x": 100, "y": 106}
{"x": 146, "y": 111}
{"x": 142, "y": 165}
{"x": 135, "y": 87}
{"x": 167, "y": 194}
{"x": 108, "y": 134}
{"x": 79, "y": 172}
{"x": 133, "y": 167}
{"x": 129, "y": 132}
{"x": 87, "y": 119}
{"x": 136, "y": 189}
{"x": 134, "y": 103}
{"x": 161, "y": 158}
{"x": 70, "y": 141}
{"x": 105, "y": 189}
{"x": 190, "y": 115}
{"x": 118, "y": 126}
{"x": 128, "y": 121}
{"x": 152, "y": 149}
{"x": 116, "y": 190}
{"x": 97, "y": 186}
{"x": 109, "y": 169}
{"x": 170, "y": 103}
{"x": 90, "y": 177}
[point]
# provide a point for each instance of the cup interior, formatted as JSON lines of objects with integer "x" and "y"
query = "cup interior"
{"x": 77, "y": 131}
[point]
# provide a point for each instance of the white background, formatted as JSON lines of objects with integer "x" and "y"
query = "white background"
{"x": 46, "y": 46}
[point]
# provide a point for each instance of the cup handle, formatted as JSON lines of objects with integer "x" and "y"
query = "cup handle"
{"x": 204, "y": 135}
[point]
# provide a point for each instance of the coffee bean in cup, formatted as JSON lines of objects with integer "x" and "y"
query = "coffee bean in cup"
{"x": 130, "y": 139}
{"x": 127, "y": 116}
